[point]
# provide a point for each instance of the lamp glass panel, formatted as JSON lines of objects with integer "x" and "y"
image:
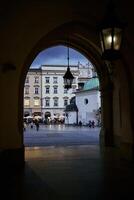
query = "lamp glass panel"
{"x": 107, "y": 37}
{"x": 117, "y": 36}
{"x": 102, "y": 45}
{"x": 68, "y": 83}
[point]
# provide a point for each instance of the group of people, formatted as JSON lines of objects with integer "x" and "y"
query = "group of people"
{"x": 91, "y": 124}
{"x": 36, "y": 123}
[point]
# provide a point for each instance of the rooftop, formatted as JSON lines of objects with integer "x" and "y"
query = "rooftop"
{"x": 91, "y": 84}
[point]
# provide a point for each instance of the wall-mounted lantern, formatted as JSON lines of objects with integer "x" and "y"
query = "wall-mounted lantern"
{"x": 111, "y": 31}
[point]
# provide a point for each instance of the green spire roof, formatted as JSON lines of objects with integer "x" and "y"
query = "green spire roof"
{"x": 91, "y": 84}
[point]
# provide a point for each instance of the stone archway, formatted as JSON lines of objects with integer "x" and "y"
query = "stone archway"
{"x": 78, "y": 40}
{"x": 34, "y": 33}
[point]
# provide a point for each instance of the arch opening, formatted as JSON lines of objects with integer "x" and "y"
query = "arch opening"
{"x": 54, "y": 101}
{"x": 79, "y": 43}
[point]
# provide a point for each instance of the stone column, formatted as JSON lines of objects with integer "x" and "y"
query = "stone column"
{"x": 106, "y": 133}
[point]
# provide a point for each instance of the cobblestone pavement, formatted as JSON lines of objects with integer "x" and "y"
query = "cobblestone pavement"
{"x": 60, "y": 135}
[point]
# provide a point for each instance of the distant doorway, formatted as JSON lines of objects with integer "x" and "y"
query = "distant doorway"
{"x": 47, "y": 117}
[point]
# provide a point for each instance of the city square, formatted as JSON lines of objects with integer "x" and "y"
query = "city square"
{"x": 60, "y": 135}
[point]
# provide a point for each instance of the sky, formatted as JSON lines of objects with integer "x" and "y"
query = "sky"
{"x": 58, "y": 56}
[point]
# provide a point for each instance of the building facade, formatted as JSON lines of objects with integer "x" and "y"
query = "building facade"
{"x": 44, "y": 92}
{"x": 86, "y": 106}
{"x": 54, "y": 96}
{"x": 32, "y": 93}
{"x": 88, "y": 102}
{"x": 85, "y": 72}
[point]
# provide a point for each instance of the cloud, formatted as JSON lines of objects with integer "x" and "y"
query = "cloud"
{"x": 58, "y": 55}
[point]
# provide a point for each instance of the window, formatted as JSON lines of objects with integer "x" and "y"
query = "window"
{"x": 47, "y": 102}
{"x": 65, "y": 91}
{"x": 36, "y": 91}
{"x": 27, "y": 79}
{"x": 73, "y": 88}
{"x": 65, "y": 102}
{"x": 36, "y": 102}
{"x": 47, "y": 79}
{"x": 36, "y": 80}
{"x": 26, "y": 90}
{"x": 47, "y": 90}
{"x": 55, "y": 102}
{"x": 26, "y": 102}
{"x": 55, "y": 89}
{"x": 55, "y": 79}
{"x": 74, "y": 80}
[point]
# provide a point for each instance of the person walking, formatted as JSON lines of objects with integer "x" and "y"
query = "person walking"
{"x": 93, "y": 124}
{"x": 24, "y": 126}
{"x": 90, "y": 123}
{"x": 80, "y": 123}
{"x": 31, "y": 125}
{"x": 37, "y": 125}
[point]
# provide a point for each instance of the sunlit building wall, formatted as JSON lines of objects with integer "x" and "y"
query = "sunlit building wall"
{"x": 88, "y": 101}
{"x": 44, "y": 92}
{"x": 54, "y": 96}
{"x": 32, "y": 93}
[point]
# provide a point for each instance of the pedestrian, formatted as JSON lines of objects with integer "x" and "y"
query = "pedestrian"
{"x": 90, "y": 123}
{"x": 93, "y": 123}
{"x": 80, "y": 123}
{"x": 31, "y": 125}
{"x": 24, "y": 126}
{"x": 37, "y": 125}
